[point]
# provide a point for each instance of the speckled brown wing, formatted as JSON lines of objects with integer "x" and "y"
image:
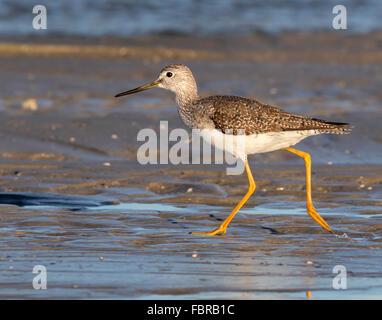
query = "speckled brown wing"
{"x": 232, "y": 114}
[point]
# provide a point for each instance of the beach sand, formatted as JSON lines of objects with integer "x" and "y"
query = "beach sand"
{"x": 75, "y": 200}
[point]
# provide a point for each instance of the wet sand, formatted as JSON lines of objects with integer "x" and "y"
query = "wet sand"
{"x": 74, "y": 199}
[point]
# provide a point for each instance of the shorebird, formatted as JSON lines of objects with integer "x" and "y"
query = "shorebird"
{"x": 264, "y": 127}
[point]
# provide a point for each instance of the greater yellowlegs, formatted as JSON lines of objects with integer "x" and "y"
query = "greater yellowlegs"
{"x": 264, "y": 127}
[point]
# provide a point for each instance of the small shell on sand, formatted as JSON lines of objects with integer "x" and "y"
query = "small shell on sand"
{"x": 29, "y": 104}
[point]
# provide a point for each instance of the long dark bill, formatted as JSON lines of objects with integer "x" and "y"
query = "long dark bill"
{"x": 141, "y": 88}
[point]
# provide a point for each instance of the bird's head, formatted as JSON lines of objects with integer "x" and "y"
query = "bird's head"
{"x": 177, "y": 78}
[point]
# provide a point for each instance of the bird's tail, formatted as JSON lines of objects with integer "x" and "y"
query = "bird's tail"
{"x": 334, "y": 127}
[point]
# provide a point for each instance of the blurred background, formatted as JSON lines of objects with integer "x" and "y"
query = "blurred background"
{"x": 196, "y": 17}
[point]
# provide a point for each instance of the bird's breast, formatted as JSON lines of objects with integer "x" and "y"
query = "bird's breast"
{"x": 242, "y": 145}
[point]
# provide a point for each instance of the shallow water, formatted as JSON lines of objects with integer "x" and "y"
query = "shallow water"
{"x": 141, "y": 248}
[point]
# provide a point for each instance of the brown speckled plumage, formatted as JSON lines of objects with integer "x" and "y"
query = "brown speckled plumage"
{"x": 231, "y": 114}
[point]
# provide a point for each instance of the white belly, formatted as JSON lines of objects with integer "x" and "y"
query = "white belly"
{"x": 242, "y": 145}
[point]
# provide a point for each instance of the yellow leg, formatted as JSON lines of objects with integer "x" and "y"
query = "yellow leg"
{"x": 223, "y": 227}
{"x": 309, "y": 205}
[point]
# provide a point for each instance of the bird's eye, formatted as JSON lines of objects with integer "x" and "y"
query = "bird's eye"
{"x": 169, "y": 74}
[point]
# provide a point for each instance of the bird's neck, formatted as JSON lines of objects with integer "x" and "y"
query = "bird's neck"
{"x": 185, "y": 101}
{"x": 186, "y": 96}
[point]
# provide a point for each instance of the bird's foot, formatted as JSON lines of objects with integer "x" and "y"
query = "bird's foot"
{"x": 221, "y": 230}
{"x": 316, "y": 217}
